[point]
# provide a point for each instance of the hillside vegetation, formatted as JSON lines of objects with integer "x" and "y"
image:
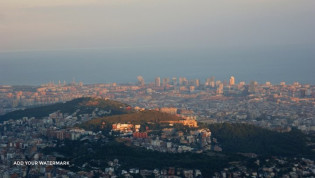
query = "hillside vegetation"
{"x": 99, "y": 153}
{"x": 252, "y": 139}
{"x": 84, "y": 105}
{"x": 135, "y": 118}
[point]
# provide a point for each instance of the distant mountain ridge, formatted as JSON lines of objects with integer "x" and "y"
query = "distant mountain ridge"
{"x": 85, "y": 105}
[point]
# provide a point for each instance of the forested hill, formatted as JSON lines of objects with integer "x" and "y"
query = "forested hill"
{"x": 84, "y": 105}
{"x": 146, "y": 116}
{"x": 252, "y": 139}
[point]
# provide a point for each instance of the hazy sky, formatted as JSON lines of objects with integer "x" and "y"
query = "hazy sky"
{"x": 117, "y": 40}
{"x": 72, "y": 24}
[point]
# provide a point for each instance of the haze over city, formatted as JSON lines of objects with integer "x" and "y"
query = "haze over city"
{"x": 115, "y": 41}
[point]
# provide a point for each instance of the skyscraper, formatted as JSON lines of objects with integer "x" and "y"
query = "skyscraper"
{"x": 212, "y": 82}
{"x": 197, "y": 82}
{"x": 140, "y": 80}
{"x": 232, "y": 80}
{"x": 165, "y": 81}
{"x": 174, "y": 81}
{"x": 252, "y": 87}
{"x": 157, "y": 82}
{"x": 183, "y": 81}
{"x": 207, "y": 83}
{"x": 220, "y": 89}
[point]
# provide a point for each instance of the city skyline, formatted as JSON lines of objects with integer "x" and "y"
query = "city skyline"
{"x": 163, "y": 81}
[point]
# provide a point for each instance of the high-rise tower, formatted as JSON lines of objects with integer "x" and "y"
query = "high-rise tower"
{"x": 157, "y": 82}
{"x": 232, "y": 80}
{"x": 140, "y": 80}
